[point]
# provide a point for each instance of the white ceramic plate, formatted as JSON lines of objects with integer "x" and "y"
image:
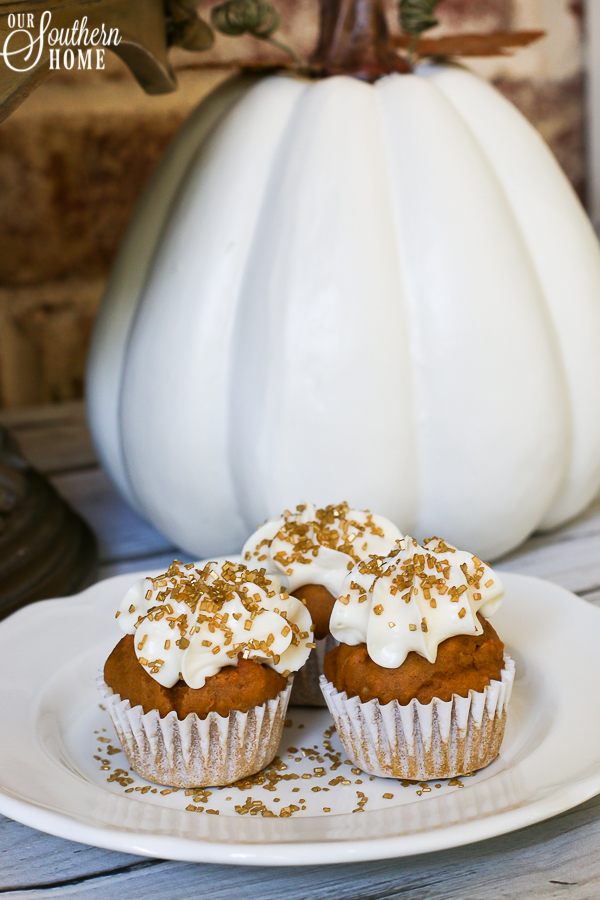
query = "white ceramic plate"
{"x": 54, "y": 737}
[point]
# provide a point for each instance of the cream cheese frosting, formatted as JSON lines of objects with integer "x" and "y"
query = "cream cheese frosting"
{"x": 414, "y": 598}
{"x": 195, "y": 619}
{"x": 319, "y": 546}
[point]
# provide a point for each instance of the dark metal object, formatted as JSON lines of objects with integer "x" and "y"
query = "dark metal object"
{"x": 185, "y": 28}
{"x": 46, "y": 549}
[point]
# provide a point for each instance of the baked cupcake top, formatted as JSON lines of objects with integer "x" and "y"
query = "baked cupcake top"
{"x": 414, "y": 598}
{"x": 319, "y": 546}
{"x": 192, "y": 621}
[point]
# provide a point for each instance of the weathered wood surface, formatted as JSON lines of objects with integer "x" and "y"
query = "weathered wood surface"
{"x": 557, "y": 858}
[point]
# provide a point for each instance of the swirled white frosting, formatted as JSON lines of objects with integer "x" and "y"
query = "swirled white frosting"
{"x": 192, "y": 621}
{"x": 413, "y": 599}
{"x": 319, "y": 546}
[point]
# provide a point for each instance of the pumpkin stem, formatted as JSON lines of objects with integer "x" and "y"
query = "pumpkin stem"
{"x": 355, "y": 39}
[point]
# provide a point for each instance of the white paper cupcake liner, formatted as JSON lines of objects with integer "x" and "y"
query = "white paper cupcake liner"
{"x": 307, "y": 689}
{"x": 194, "y": 752}
{"x": 440, "y": 739}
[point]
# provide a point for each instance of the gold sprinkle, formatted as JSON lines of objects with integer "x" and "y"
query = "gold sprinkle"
{"x": 489, "y": 583}
{"x": 132, "y": 609}
{"x": 388, "y": 796}
{"x": 455, "y": 782}
{"x": 462, "y": 613}
{"x": 412, "y": 627}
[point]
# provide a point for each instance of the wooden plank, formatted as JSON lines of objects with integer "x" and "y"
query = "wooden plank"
{"x": 569, "y": 556}
{"x": 122, "y": 533}
{"x": 553, "y": 859}
{"x": 141, "y": 564}
{"x": 54, "y": 438}
{"x": 575, "y": 564}
{"x": 592, "y": 597}
{"x": 30, "y": 857}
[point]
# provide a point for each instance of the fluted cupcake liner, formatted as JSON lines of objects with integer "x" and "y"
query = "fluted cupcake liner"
{"x": 307, "y": 689}
{"x": 194, "y": 752}
{"x": 440, "y": 739}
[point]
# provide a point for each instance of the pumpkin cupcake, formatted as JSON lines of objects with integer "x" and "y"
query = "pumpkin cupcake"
{"x": 312, "y": 550}
{"x": 419, "y": 685}
{"x": 199, "y": 686}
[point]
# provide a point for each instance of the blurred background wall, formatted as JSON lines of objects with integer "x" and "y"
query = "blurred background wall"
{"x": 76, "y": 155}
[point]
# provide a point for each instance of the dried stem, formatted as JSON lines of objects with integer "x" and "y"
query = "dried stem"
{"x": 354, "y": 38}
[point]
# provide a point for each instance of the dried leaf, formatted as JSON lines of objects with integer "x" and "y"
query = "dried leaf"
{"x": 497, "y": 43}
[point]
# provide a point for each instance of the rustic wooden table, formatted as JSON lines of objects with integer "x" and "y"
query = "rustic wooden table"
{"x": 557, "y": 858}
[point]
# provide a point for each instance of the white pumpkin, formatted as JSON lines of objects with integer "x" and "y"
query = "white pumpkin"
{"x": 386, "y": 294}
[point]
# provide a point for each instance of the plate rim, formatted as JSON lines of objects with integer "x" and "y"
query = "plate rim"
{"x": 297, "y": 853}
